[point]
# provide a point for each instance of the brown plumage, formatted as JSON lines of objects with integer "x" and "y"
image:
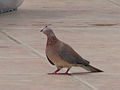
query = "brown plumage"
{"x": 62, "y": 55}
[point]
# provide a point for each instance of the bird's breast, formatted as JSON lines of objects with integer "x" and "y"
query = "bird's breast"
{"x": 53, "y": 55}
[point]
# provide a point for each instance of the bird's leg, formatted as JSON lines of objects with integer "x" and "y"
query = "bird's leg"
{"x": 55, "y": 72}
{"x": 67, "y": 71}
{"x": 58, "y": 69}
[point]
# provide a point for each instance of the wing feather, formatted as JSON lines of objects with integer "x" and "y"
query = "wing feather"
{"x": 69, "y": 55}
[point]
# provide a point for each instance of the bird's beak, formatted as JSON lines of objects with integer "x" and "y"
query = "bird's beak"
{"x": 41, "y": 30}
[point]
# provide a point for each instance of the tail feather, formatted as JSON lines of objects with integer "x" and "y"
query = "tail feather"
{"x": 91, "y": 68}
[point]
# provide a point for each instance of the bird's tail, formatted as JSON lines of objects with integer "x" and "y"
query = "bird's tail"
{"x": 91, "y": 68}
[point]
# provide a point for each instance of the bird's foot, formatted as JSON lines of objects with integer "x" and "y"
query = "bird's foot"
{"x": 59, "y": 74}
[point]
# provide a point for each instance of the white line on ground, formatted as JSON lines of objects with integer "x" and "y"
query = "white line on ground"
{"x": 23, "y": 44}
{"x": 86, "y": 83}
{"x": 114, "y": 2}
{"x": 17, "y": 57}
{"x": 112, "y": 73}
{"x": 64, "y": 28}
{"x": 19, "y": 73}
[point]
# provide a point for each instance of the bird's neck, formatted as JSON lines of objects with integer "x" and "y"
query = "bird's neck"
{"x": 51, "y": 39}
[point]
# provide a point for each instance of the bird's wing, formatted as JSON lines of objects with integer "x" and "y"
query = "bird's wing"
{"x": 69, "y": 55}
{"x": 50, "y": 60}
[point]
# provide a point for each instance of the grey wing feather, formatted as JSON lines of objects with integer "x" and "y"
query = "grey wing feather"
{"x": 50, "y": 60}
{"x": 72, "y": 59}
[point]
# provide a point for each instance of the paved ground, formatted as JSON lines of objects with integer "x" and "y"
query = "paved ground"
{"x": 91, "y": 27}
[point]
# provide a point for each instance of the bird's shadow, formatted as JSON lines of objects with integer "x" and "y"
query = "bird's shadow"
{"x": 72, "y": 74}
{"x": 80, "y": 73}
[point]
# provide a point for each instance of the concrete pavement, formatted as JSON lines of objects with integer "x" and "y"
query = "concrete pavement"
{"x": 91, "y": 27}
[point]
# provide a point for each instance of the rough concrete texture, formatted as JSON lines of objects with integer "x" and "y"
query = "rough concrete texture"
{"x": 91, "y": 27}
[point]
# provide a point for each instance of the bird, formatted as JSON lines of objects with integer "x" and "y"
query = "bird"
{"x": 63, "y": 55}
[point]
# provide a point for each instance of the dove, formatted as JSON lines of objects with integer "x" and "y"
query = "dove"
{"x": 63, "y": 55}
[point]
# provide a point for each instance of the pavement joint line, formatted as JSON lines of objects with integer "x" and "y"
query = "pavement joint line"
{"x": 16, "y": 80}
{"x": 108, "y": 74}
{"x": 12, "y": 83}
{"x": 16, "y": 57}
{"x": 17, "y": 60}
{"x": 23, "y": 44}
{"x": 70, "y": 28}
{"x": 113, "y": 2}
{"x": 86, "y": 83}
{"x": 20, "y": 73}
{"x": 42, "y": 55}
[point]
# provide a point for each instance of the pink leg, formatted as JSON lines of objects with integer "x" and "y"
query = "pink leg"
{"x": 55, "y": 72}
{"x": 67, "y": 71}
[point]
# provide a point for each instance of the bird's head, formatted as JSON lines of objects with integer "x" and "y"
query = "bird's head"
{"x": 47, "y": 31}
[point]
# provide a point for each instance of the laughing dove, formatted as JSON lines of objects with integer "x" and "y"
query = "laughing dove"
{"x": 62, "y": 55}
